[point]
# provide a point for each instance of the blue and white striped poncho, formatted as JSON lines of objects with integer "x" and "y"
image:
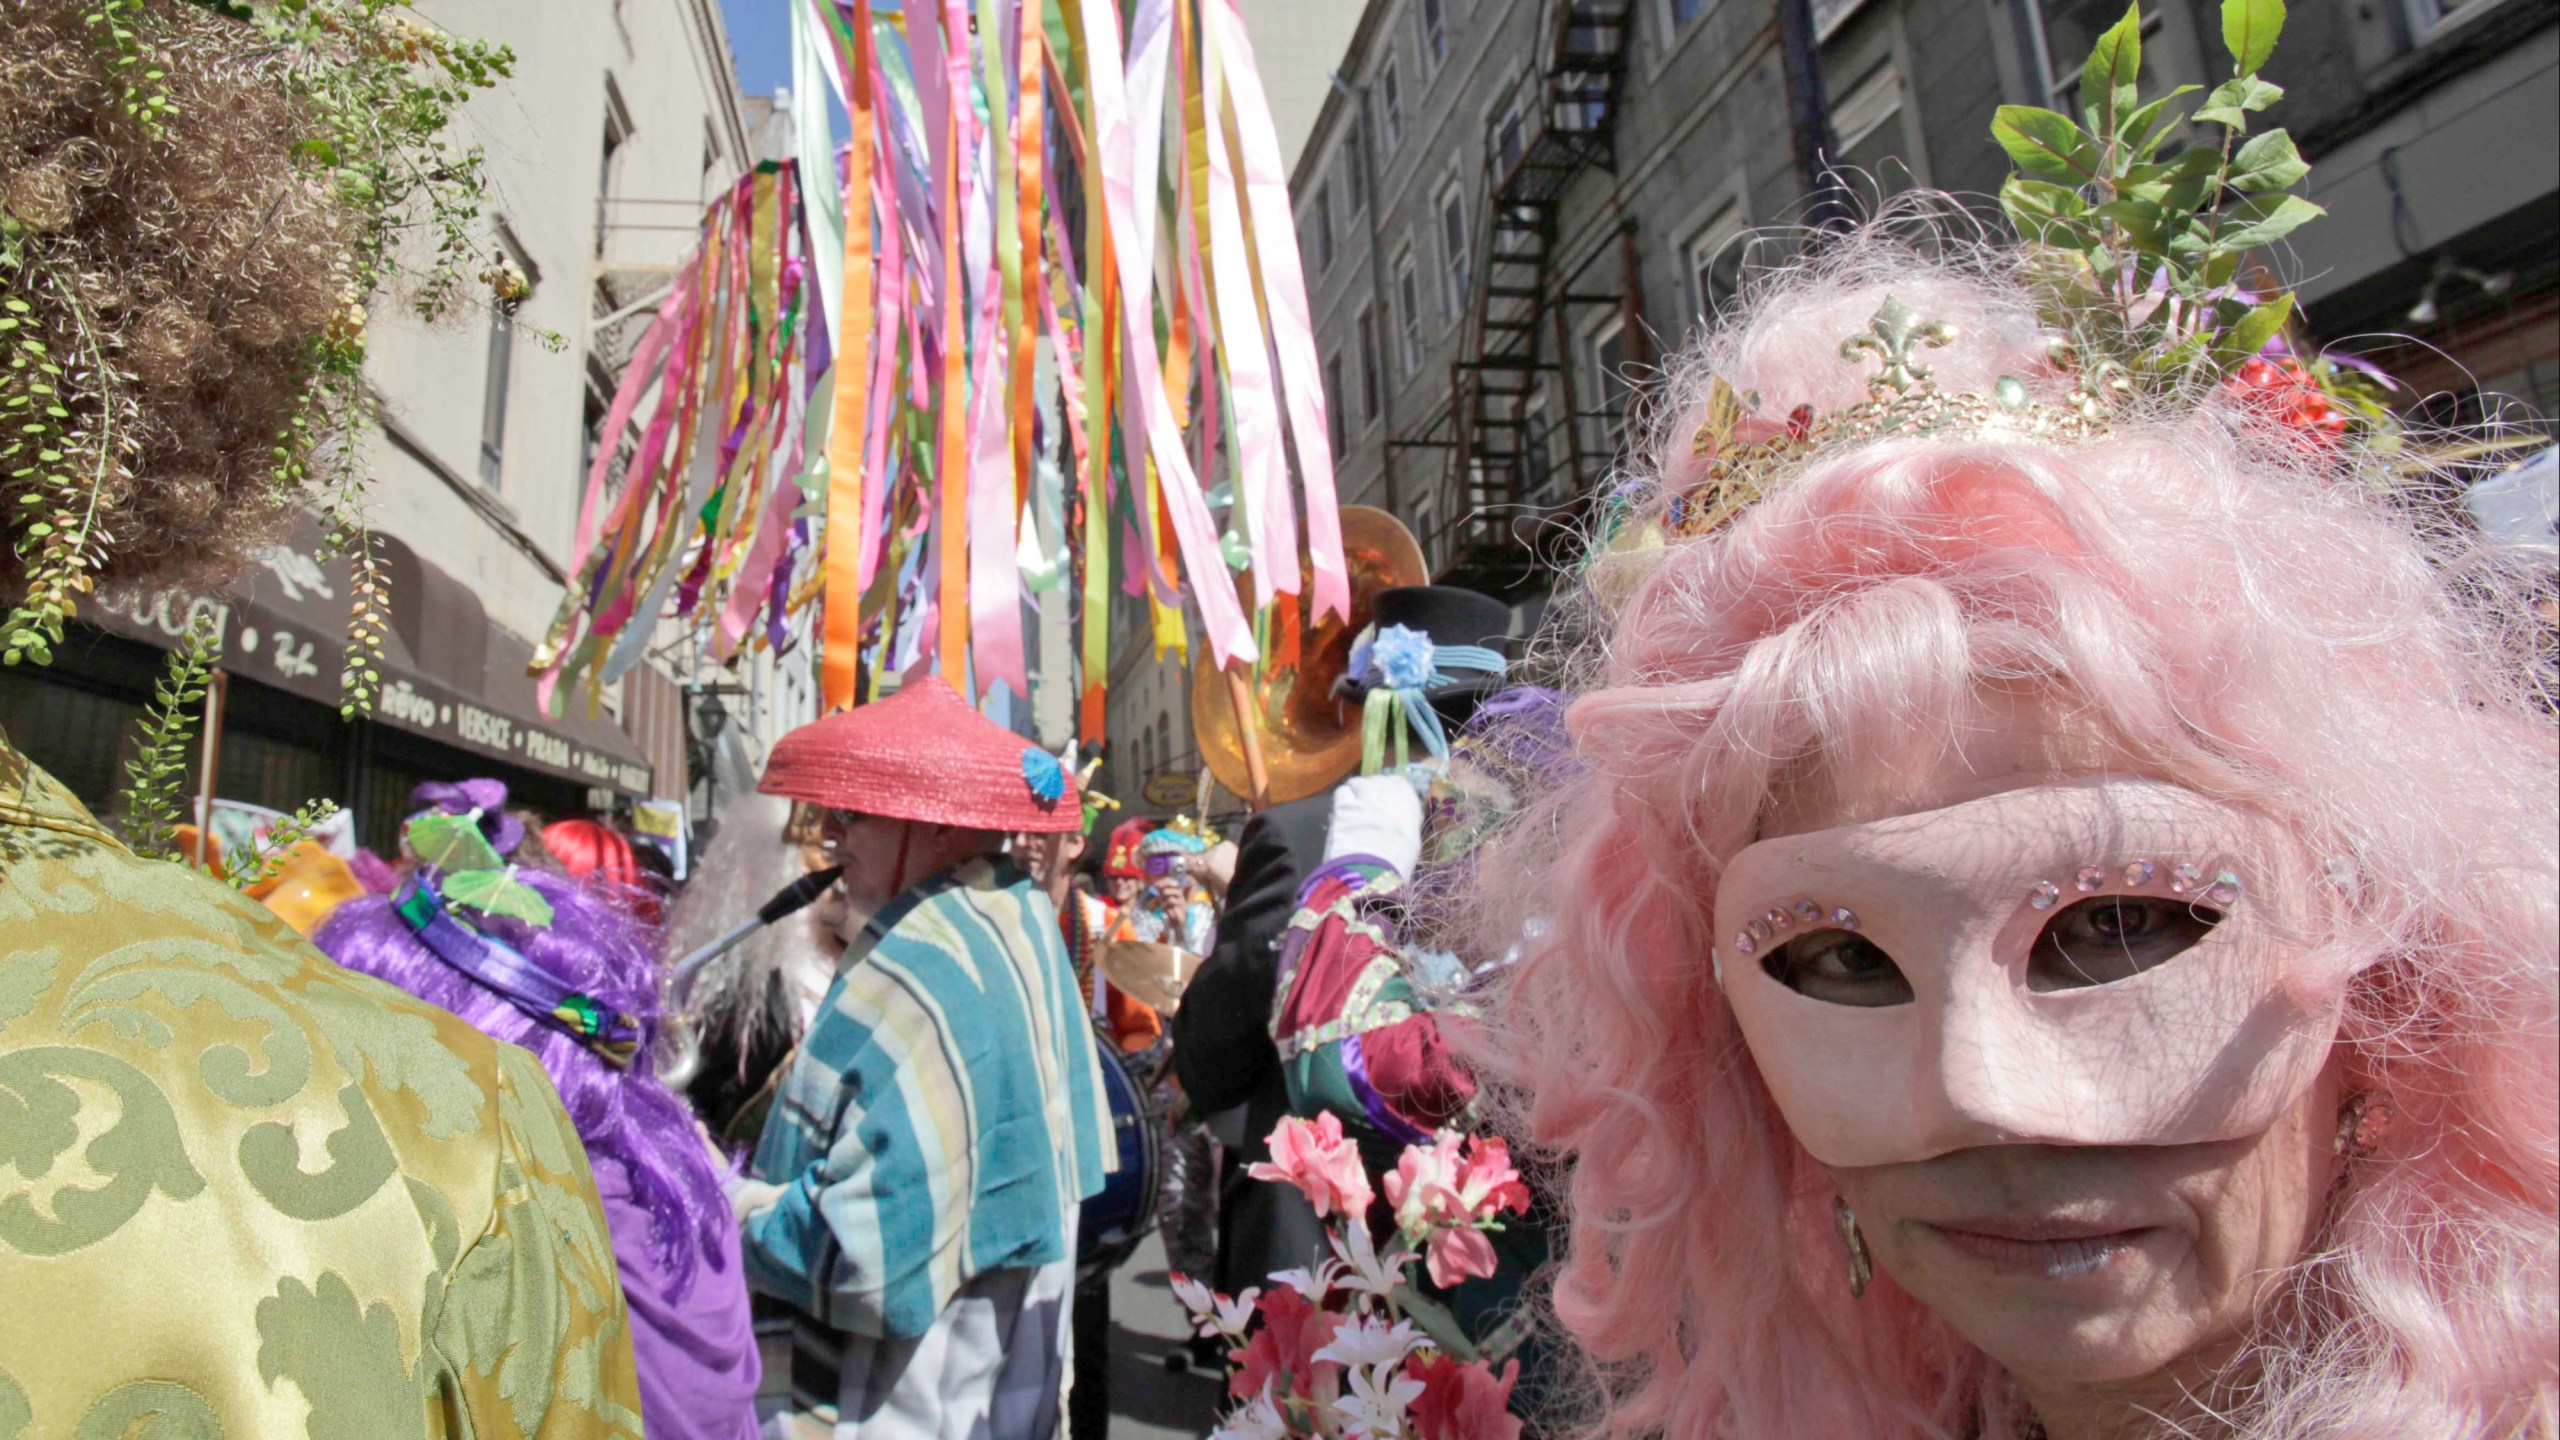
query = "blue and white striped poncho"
{"x": 944, "y": 1115}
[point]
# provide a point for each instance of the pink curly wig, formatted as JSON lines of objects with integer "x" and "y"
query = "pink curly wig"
{"x": 2228, "y": 613}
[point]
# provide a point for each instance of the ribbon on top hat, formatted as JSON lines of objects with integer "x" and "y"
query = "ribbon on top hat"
{"x": 1400, "y": 666}
{"x": 458, "y": 870}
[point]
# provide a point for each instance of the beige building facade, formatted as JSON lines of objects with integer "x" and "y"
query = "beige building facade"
{"x": 621, "y": 121}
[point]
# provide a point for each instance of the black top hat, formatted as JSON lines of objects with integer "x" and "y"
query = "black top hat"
{"x": 1450, "y": 616}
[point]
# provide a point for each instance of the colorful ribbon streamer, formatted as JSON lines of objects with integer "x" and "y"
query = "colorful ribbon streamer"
{"x": 874, "y": 355}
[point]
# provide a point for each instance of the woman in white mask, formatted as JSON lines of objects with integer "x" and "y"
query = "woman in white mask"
{"x": 2054, "y": 934}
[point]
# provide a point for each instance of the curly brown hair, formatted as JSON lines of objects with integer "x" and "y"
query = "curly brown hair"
{"x": 182, "y": 265}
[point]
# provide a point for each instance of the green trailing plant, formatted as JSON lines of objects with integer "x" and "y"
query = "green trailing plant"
{"x": 54, "y": 474}
{"x": 262, "y": 863}
{"x": 156, "y": 778}
{"x": 132, "y": 65}
{"x": 2147, "y": 232}
{"x": 220, "y": 382}
{"x": 368, "y": 606}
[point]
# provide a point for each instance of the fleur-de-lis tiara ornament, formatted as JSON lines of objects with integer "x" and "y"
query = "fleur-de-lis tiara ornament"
{"x": 1891, "y": 335}
{"x": 1903, "y": 401}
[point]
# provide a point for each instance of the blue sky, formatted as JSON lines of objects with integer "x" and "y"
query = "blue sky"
{"x": 760, "y": 31}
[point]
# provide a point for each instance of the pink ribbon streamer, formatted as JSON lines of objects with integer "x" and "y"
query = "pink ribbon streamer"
{"x": 1262, "y": 481}
{"x": 995, "y": 580}
{"x": 1284, "y": 287}
{"x": 888, "y": 295}
{"x": 1230, "y": 638}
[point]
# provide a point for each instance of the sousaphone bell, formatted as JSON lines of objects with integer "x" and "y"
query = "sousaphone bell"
{"x": 1310, "y": 736}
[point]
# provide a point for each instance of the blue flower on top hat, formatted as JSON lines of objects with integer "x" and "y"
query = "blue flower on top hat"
{"x": 1400, "y": 658}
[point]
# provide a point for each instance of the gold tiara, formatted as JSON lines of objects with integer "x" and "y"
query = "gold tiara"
{"x": 1902, "y": 400}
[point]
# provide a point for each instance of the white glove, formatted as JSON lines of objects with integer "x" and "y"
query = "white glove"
{"x": 1376, "y": 815}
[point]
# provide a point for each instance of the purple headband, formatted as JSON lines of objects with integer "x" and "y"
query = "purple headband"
{"x": 611, "y": 1034}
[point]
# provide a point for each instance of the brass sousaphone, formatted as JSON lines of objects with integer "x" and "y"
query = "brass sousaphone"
{"x": 1310, "y": 737}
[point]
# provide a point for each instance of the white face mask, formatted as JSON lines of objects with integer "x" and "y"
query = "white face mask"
{"x": 2103, "y": 963}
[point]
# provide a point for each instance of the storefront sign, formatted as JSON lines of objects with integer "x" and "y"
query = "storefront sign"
{"x": 285, "y": 627}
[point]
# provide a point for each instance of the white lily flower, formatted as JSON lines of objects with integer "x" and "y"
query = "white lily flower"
{"x": 1371, "y": 1342}
{"x": 1259, "y": 1420}
{"x": 1232, "y": 1315}
{"x": 1198, "y": 1300}
{"x": 1314, "y": 1286}
{"x": 1362, "y": 1269}
{"x": 1374, "y": 1407}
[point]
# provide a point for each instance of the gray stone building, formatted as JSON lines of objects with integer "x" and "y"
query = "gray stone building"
{"x": 1512, "y": 209}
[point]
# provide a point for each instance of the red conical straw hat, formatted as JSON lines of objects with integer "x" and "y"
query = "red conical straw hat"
{"x": 925, "y": 754}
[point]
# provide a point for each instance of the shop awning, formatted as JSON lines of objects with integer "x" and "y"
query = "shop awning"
{"x": 448, "y": 674}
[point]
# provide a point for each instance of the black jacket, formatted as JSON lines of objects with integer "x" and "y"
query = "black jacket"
{"x": 1222, "y": 1046}
{"x": 1222, "y": 1034}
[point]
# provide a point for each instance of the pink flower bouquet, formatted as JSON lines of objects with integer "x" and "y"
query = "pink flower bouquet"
{"x": 1351, "y": 1351}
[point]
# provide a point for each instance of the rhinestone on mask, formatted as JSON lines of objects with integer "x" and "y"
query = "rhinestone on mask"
{"x": 2140, "y": 872}
{"x": 2045, "y": 895}
{"x": 2089, "y": 878}
{"x": 2225, "y": 889}
{"x": 2185, "y": 877}
{"x": 1759, "y": 932}
{"x": 1780, "y": 920}
{"x": 1844, "y": 918}
{"x": 1808, "y": 912}
{"x": 1743, "y": 944}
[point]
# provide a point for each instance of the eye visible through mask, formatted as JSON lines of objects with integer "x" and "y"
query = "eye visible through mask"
{"x": 2098, "y": 941}
{"x": 1981, "y": 974}
{"x": 2107, "y": 938}
{"x": 1838, "y": 967}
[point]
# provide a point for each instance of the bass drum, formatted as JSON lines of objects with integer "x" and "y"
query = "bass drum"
{"x": 1118, "y": 1219}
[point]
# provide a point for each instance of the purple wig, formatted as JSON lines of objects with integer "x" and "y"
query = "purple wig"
{"x": 628, "y": 1118}
{"x": 461, "y": 797}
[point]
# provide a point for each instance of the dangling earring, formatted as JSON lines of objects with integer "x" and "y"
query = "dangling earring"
{"x": 1862, "y": 1271}
{"x": 2362, "y": 1122}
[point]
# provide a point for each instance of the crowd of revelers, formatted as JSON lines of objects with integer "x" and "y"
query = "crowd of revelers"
{"x": 2024, "y": 905}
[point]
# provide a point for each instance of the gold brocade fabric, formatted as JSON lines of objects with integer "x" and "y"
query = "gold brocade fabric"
{"x": 245, "y": 1193}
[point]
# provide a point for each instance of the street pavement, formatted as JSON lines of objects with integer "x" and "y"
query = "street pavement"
{"x": 1149, "y": 1402}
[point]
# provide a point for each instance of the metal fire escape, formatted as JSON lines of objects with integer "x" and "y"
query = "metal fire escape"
{"x": 1509, "y": 474}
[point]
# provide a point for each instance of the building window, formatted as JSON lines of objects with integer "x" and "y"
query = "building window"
{"x": 1390, "y": 109}
{"x": 1435, "y": 33}
{"x": 501, "y": 375}
{"x": 617, "y": 134}
{"x": 1829, "y": 15}
{"x": 712, "y": 155}
{"x": 1453, "y": 246}
{"x": 1372, "y": 369}
{"x": 1506, "y": 135}
{"x": 1604, "y": 358}
{"x": 1408, "y": 314}
{"x": 1676, "y": 15}
{"x": 1355, "y": 194}
{"x": 1320, "y": 215}
{"x": 2426, "y": 17}
{"x": 1334, "y": 411}
{"x": 1872, "y": 138}
{"x": 1544, "y": 480}
{"x": 1715, "y": 264}
{"x": 2071, "y": 29}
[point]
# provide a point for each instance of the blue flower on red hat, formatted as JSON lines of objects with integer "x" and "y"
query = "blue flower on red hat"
{"x": 1042, "y": 772}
